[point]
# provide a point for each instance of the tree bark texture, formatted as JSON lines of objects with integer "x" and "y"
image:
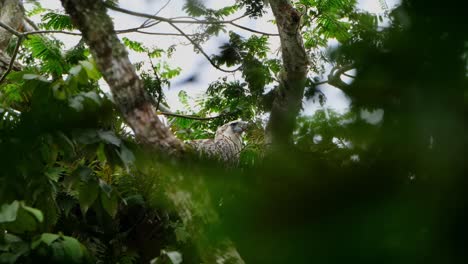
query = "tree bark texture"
{"x": 111, "y": 57}
{"x": 288, "y": 97}
{"x": 12, "y": 14}
{"x": 90, "y": 17}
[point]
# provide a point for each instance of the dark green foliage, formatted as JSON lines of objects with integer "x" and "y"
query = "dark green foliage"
{"x": 76, "y": 54}
{"x": 255, "y": 8}
{"x": 257, "y": 70}
{"x": 195, "y": 8}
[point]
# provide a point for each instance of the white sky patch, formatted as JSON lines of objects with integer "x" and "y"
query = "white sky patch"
{"x": 317, "y": 139}
{"x": 372, "y": 117}
{"x": 354, "y": 158}
{"x": 340, "y": 143}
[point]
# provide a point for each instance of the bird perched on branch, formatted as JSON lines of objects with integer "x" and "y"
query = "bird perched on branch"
{"x": 226, "y": 145}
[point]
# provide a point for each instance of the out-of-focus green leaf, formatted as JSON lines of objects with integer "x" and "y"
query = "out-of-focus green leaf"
{"x": 8, "y": 212}
{"x": 109, "y": 203}
{"x": 88, "y": 193}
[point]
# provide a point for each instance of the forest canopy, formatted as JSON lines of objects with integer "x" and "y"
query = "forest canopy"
{"x": 96, "y": 168}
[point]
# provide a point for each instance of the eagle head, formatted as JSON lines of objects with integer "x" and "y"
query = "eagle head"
{"x": 232, "y": 129}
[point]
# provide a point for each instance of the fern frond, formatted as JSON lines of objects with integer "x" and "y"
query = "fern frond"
{"x": 49, "y": 52}
{"x": 195, "y": 8}
{"x": 55, "y": 21}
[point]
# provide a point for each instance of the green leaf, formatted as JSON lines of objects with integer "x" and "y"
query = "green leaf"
{"x": 109, "y": 203}
{"x": 49, "y": 238}
{"x": 88, "y": 193}
{"x": 106, "y": 188}
{"x": 76, "y": 103}
{"x": 8, "y": 212}
{"x": 156, "y": 53}
{"x": 59, "y": 90}
{"x": 65, "y": 143}
{"x": 64, "y": 249}
{"x": 195, "y": 8}
{"x": 49, "y": 51}
{"x": 10, "y": 238}
{"x": 11, "y": 248}
{"x": 109, "y": 137}
{"x": 101, "y": 153}
{"x": 19, "y": 218}
{"x": 134, "y": 45}
{"x": 54, "y": 21}
{"x": 126, "y": 155}
{"x": 31, "y": 76}
{"x": 84, "y": 173}
{"x": 35, "y": 212}
{"x": 75, "y": 70}
{"x": 73, "y": 249}
{"x": 88, "y": 136}
{"x": 168, "y": 257}
{"x": 136, "y": 199}
{"x": 183, "y": 97}
{"x": 93, "y": 96}
{"x": 91, "y": 69}
{"x": 228, "y": 10}
{"x": 54, "y": 173}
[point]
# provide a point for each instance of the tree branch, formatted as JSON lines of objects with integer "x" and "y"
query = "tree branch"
{"x": 191, "y": 21}
{"x": 334, "y": 78}
{"x": 51, "y": 32}
{"x": 12, "y": 60}
{"x": 31, "y": 23}
{"x": 252, "y": 30}
{"x": 10, "y": 29}
{"x": 157, "y": 12}
{"x": 192, "y": 117}
{"x": 201, "y": 50}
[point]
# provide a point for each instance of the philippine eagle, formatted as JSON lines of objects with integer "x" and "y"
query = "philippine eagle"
{"x": 226, "y": 145}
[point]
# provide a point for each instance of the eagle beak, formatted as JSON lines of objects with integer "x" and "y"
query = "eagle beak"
{"x": 244, "y": 125}
{"x": 241, "y": 126}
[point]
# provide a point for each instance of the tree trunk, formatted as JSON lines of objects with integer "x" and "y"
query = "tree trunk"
{"x": 11, "y": 14}
{"x": 288, "y": 97}
{"x": 136, "y": 106}
{"x": 127, "y": 89}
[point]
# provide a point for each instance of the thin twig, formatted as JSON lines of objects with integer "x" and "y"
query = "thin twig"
{"x": 136, "y": 30}
{"x": 31, "y": 23}
{"x": 13, "y": 58}
{"x": 201, "y": 50}
{"x": 252, "y": 30}
{"x": 190, "y": 116}
{"x": 160, "y": 95}
{"x": 157, "y": 12}
{"x": 191, "y": 21}
{"x": 51, "y": 32}
{"x": 244, "y": 15}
